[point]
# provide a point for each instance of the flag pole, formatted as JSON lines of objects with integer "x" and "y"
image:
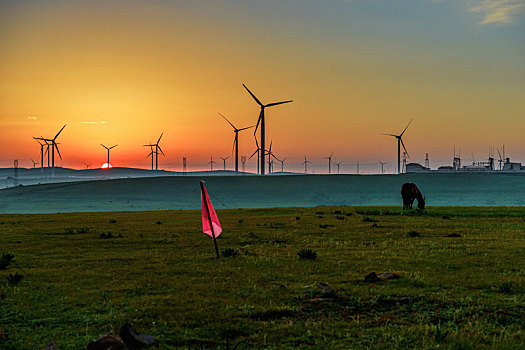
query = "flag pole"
{"x": 209, "y": 218}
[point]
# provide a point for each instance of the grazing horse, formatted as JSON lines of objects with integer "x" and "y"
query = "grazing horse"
{"x": 409, "y": 192}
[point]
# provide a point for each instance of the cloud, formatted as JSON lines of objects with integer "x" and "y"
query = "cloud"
{"x": 32, "y": 118}
{"x": 94, "y": 122}
{"x": 497, "y": 11}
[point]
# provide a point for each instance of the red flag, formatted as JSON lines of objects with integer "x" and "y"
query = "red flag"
{"x": 207, "y": 208}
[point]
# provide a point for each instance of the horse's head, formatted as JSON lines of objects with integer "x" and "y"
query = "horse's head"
{"x": 421, "y": 203}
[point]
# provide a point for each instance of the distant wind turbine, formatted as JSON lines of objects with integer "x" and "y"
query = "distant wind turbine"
{"x": 108, "y": 148}
{"x": 41, "y": 154}
{"x": 399, "y": 143}
{"x": 305, "y": 165}
{"x": 155, "y": 152}
{"x": 236, "y": 141}
{"x": 34, "y": 163}
{"x": 330, "y": 162}
{"x": 338, "y": 164}
{"x": 270, "y": 155}
{"x": 54, "y": 145}
{"x": 382, "y": 167}
{"x": 258, "y": 150}
{"x": 282, "y": 165}
{"x": 224, "y": 162}
{"x": 261, "y": 121}
{"x": 87, "y": 165}
{"x": 211, "y": 162}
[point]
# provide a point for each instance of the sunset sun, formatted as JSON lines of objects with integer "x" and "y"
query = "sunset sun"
{"x": 106, "y": 166}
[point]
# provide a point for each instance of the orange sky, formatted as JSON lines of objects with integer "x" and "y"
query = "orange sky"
{"x": 125, "y": 71}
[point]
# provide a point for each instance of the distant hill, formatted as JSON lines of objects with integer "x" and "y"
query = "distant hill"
{"x": 182, "y": 192}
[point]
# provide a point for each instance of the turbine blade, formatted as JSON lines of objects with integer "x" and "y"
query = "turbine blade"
{"x": 59, "y": 132}
{"x": 258, "y": 121}
{"x": 233, "y": 126}
{"x": 277, "y": 103}
{"x": 58, "y": 151}
{"x": 406, "y": 127}
{"x": 113, "y": 146}
{"x": 255, "y": 98}
{"x": 257, "y": 150}
{"x": 160, "y": 138}
{"x": 161, "y": 150}
{"x": 404, "y": 146}
{"x": 103, "y": 146}
{"x": 233, "y": 147}
{"x": 389, "y": 135}
{"x": 249, "y": 127}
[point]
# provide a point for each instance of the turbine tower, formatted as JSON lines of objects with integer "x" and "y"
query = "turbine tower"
{"x": 108, "y": 148}
{"x": 261, "y": 121}
{"x": 236, "y": 141}
{"x": 399, "y": 143}
{"x": 156, "y": 152}
{"x": 54, "y": 146}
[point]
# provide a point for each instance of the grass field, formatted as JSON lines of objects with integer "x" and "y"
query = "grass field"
{"x": 87, "y": 274}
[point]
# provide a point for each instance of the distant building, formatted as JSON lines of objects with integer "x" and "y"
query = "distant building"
{"x": 446, "y": 168}
{"x": 511, "y": 166}
{"x": 416, "y": 168}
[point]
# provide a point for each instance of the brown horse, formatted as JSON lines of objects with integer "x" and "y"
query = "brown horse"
{"x": 410, "y": 192}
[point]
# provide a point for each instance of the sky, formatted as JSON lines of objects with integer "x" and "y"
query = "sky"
{"x": 123, "y": 72}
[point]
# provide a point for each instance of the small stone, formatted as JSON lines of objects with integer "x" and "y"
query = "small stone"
{"x": 453, "y": 235}
{"x": 50, "y": 346}
{"x": 389, "y": 276}
{"x": 326, "y": 291}
{"x": 372, "y": 278}
{"x": 135, "y": 340}
{"x": 106, "y": 342}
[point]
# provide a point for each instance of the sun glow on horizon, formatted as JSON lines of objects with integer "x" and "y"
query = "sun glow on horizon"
{"x": 106, "y": 166}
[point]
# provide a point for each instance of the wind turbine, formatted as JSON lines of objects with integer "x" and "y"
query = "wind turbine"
{"x": 151, "y": 153}
{"x": 54, "y": 146}
{"x": 34, "y": 163}
{"x": 211, "y": 162}
{"x": 338, "y": 165}
{"x": 382, "y": 165}
{"x": 41, "y": 154}
{"x": 330, "y": 162}
{"x": 224, "y": 162}
{"x": 261, "y": 121}
{"x": 282, "y": 165}
{"x": 87, "y": 165}
{"x": 399, "y": 143}
{"x": 500, "y": 160}
{"x": 236, "y": 141}
{"x": 156, "y": 152}
{"x": 270, "y": 155}
{"x": 108, "y": 148}
{"x": 258, "y": 153}
{"x": 305, "y": 165}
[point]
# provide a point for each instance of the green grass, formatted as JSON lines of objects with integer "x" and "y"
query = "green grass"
{"x": 455, "y": 292}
